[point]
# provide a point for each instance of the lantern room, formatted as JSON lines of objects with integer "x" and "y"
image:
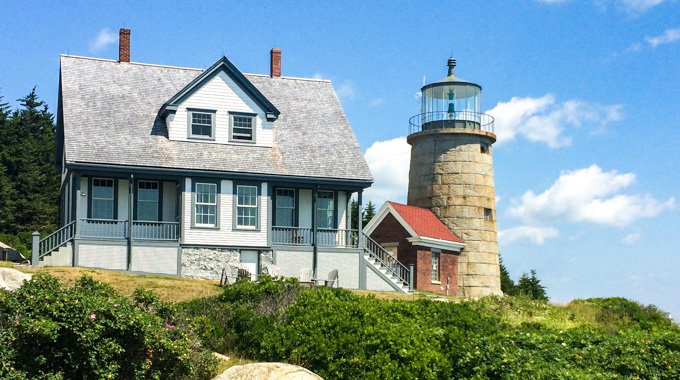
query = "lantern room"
{"x": 451, "y": 103}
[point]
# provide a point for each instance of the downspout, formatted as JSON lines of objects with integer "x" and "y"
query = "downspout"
{"x": 131, "y": 193}
{"x": 315, "y": 229}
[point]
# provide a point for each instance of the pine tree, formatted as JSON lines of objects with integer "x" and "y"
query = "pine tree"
{"x": 507, "y": 285}
{"x": 27, "y": 139}
{"x": 6, "y": 191}
{"x": 369, "y": 213}
{"x": 531, "y": 287}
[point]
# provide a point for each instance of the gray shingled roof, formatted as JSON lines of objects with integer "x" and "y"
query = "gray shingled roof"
{"x": 110, "y": 116}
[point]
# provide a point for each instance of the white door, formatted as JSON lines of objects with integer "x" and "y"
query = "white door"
{"x": 250, "y": 259}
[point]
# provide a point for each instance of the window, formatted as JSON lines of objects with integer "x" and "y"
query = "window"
{"x": 484, "y": 148}
{"x": 285, "y": 207}
{"x": 206, "y": 205}
{"x": 435, "y": 266}
{"x": 242, "y": 127}
{"x": 246, "y": 207}
{"x": 147, "y": 200}
{"x": 201, "y": 124}
{"x": 488, "y": 214}
{"x": 325, "y": 206}
{"x": 102, "y": 198}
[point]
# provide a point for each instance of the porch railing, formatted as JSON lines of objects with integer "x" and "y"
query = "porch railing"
{"x": 118, "y": 229}
{"x": 325, "y": 237}
{"x": 155, "y": 230}
{"x": 51, "y": 242}
{"x": 386, "y": 260}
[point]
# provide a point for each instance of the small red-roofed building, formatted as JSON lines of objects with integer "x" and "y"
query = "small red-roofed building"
{"x": 415, "y": 236}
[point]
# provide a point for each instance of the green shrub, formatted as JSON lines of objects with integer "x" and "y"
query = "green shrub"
{"x": 88, "y": 331}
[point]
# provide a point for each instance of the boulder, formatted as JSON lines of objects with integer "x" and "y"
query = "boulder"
{"x": 268, "y": 371}
{"x": 11, "y": 279}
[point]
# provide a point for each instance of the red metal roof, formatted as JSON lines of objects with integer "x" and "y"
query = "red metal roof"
{"x": 424, "y": 222}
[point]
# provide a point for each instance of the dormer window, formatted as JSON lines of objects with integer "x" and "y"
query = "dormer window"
{"x": 201, "y": 124}
{"x": 242, "y": 127}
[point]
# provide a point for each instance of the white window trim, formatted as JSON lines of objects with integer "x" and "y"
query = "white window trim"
{"x": 190, "y": 134}
{"x": 439, "y": 267}
{"x": 253, "y": 125}
{"x": 237, "y": 226}
{"x": 196, "y": 203}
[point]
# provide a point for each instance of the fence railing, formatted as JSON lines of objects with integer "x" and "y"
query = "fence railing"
{"x": 325, "y": 237}
{"x": 456, "y": 119}
{"x": 118, "y": 229}
{"x": 386, "y": 260}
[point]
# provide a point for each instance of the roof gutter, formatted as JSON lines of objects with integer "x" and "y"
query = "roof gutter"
{"x": 348, "y": 183}
{"x": 436, "y": 243}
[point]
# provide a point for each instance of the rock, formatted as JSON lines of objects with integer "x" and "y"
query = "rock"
{"x": 11, "y": 279}
{"x": 268, "y": 371}
{"x": 220, "y": 357}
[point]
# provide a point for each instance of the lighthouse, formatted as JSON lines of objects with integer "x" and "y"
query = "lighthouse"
{"x": 451, "y": 174}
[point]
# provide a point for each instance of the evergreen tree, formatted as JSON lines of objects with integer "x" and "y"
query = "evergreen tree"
{"x": 6, "y": 206}
{"x": 531, "y": 287}
{"x": 369, "y": 213}
{"x": 354, "y": 209}
{"x": 507, "y": 284}
{"x": 27, "y": 141}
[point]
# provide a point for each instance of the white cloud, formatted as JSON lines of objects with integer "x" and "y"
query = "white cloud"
{"x": 376, "y": 102}
{"x": 544, "y": 120}
{"x": 317, "y": 75}
{"x": 631, "y": 238}
{"x": 104, "y": 39}
{"x": 534, "y": 235}
{"x": 389, "y": 163}
{"x": 667, "y": 37}
{"x": 347, "y": 91}
{"x": 670, "y": 35}
{"x": 638, "y": 6}
{"x": 632, "y": 7}
{"x": 588, "y": 195}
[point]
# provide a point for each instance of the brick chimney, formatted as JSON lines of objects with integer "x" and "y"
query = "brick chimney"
{"x": 275, "y": 67}
{"x": 124, "y": 45}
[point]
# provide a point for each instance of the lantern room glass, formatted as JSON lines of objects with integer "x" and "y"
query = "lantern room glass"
{"x": 459, "y": 101}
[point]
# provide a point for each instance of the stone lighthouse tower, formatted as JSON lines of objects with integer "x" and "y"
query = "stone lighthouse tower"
{"x": 451, "y": 174}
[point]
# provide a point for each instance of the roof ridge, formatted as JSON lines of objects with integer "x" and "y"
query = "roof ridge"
{"x": 131, "y": 63}
{"x": 187, "y": 68}
{"x": 290, "y": 78}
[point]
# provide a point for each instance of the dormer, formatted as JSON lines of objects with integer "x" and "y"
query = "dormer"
{"x": 220, "y": 106}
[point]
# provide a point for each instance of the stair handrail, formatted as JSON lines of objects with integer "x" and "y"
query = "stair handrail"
{"x": 52, "y": 242}
{"x": 386, "y": 260}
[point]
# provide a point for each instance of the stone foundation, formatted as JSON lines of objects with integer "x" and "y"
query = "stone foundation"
{"x": 207, "y": 263}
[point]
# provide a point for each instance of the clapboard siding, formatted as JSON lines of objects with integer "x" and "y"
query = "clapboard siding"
{"x": 342, "y": 210}
{"x": 305, "y": 212}
{"x": 225, "y": 235}
{"x": 222, "y": 95}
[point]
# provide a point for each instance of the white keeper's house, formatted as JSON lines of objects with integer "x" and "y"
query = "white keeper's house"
{"x": 186, "y": 172}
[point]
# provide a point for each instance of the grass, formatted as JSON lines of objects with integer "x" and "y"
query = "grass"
{"x": 168, "y": 288}
{"x": 6, "y": 264}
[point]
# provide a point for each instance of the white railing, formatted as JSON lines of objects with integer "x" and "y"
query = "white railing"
{"x": 454, "y": 119}
{"x": 325, "y": 237}
{"x": 386, "y": 260}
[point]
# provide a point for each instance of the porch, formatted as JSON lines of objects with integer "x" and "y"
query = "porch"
{"x": 120, "y": 229}
{"x": 325, "y": 237}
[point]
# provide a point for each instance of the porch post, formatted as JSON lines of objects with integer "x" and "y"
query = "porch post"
{"x": 410, "y": 278}
{"x": 131, "y": 193}
{"x": 315, "y": 222}
{"x": 35, "y": 249}
{"x": 360, "y": 219}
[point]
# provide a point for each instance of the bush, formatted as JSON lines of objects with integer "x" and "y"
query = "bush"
{"x": 89, "y": 331}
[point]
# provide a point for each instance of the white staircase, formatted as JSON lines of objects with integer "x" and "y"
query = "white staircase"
{"x": 386, "y": 266}
{"x": 56, "y": 249}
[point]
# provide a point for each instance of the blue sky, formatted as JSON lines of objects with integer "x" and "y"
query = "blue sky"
{"x": 585, "y": 95}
